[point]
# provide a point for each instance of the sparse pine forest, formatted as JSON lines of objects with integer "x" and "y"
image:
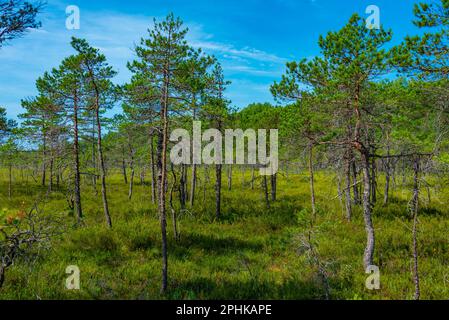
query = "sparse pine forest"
{"x": 362, "y": 185}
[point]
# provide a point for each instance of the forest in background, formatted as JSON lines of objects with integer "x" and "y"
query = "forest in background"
{"x": 363, "y": 179}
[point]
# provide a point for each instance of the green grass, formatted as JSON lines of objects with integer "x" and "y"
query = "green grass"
{"x": 252, "y": 253}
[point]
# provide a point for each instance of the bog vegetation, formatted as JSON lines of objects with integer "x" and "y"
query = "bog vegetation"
{"x": 363, "y": 178}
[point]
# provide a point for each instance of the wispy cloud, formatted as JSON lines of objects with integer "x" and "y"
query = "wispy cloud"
{"x": 115, "y": 34}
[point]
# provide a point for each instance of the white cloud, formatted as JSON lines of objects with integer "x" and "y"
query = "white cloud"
{"x": 115, "y": 34}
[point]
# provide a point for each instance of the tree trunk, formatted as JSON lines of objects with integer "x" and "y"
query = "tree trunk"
{"x": 2, "y": 276}
{"x": 182, "y": 188}
{"x": 193, "y": 186}
{"x": 78, "y": 210}
{"x": 94, "y": 161}
{"x": 162, "y": 161}
{"x": 273, "y": 187}
{"x": 218, "y": 176}
{"x": 131, "y": 165}
{"x": 176, "y": 234}
{"x": 387, "y": 181}
{"x": 312, "y": 182}
{"x": 348, "y": 203}
{"x": 50, "y": 184}
{"x": 415, "y": 209}
{"x": 373, "y": 181}
{"x": 125, "y": 176}
{"x": 153, "y": 171}
{"x": 265, "y": 190}
{"x": 44, "y": 156}
{"x": 367, "y": 214}
{"x": 101, "y": 163}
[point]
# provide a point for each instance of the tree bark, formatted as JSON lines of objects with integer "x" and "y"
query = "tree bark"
{"x": 193, "y": 186}
{"x": 273, "y": 187}
{"x": 162, "y": 161}
{"x": 415, "y": 208}
{"x": 78, "y": 208}
{"x": 94, "y": 161}
{"x": 265, "y": 191}
{"x": 348, "y": 203}
{"x": 125, "y": 176}
{"x": 218, "y": 176}
{"x": 101, "y": 160}
{"x": 253, "y": 176}
{"x": 50, "y": 184}
{"x": 131, "y": 165}
{"x": 367, "y": 214}
{"x": 44, "y": 156}
{"x": 373, "y": 180}
{"x": 2, "y": 276}
{"x": 153, "y": 171}
{"x": 230, "y": 177}
{"x": 182, "y": 187}
{"x": 312, "y": 182}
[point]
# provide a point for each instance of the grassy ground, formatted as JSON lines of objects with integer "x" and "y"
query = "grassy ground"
{"x": 253, "y": 253}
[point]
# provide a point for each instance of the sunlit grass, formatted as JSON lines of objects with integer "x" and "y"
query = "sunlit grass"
{"x": 252, "y": 253}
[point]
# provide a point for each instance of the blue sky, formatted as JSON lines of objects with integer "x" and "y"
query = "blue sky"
{"x": 253, "y": 39}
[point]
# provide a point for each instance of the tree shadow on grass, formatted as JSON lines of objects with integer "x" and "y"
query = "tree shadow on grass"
{"x": 251, "y": 289}
{"x": 213, "y": 245}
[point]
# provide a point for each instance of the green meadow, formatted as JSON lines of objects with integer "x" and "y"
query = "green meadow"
{"x": 253, "y": 252}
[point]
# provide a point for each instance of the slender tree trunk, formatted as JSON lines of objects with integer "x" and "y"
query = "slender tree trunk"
{"x": 193, "y": 186}
{"x": 186, "y": 181}
{"x": 230, "y": 177}
{"x": 373, "y": 181}
{"x": 153, "y": 171}
{"x": 387, "y": 186}
{"x": 78, "y": 210}
{"x": 44, "y": 156}
{"x": 273, "y": 187}
{"x": 176, "y": 234}
{"x": 163, "y": 182}
{"x": 182, "y": 188}
{"x": 415, "y": 209}
{"x": 265, "y": 190}
{"x": 348, "y": 203}
{"x": 387, "y": 167}
{"x": 218, "y": 177}
{"x": 94, "y": 160}
{"x": 2, "y": 276}
{"x": 50, "y": 185}
{"x": 131, "y": 165}
{"x": 312, "y": 182}
{"x": 101, "y": 160}
{"x": 125, "y": 176}
{"x": 367, "y": 214}
{"x": 368, "y": 257}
